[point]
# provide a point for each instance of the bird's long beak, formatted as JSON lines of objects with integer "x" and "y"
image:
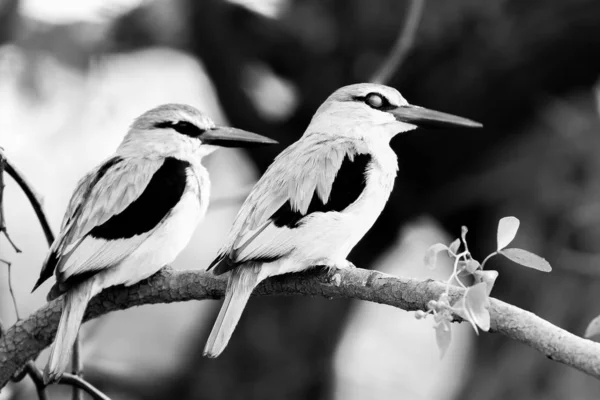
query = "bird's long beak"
{"x": 426, "y": 118}
{"x": 225, "y": 136}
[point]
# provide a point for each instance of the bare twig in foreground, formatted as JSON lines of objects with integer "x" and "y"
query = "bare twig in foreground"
{"x": 3, "y": 164}
{"x": 33, "y": 198}
{"x": 38, "y": 380}
{"x": 10, "y": 288}
{"x": 28, "y": 337}
{"x": 77, "y": 382}
{"x": 77, "y": 368}
{"x": 67, "y": 379}
{"x": 36, "y": 204}
{"x": 403, "y": 43}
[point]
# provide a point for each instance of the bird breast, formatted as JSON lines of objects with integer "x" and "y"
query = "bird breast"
{"x": 331, "y": 236}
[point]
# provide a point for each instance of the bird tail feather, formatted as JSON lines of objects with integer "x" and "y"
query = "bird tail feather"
{"x": 240, "y": 285}
{"x": 75, "y": 303}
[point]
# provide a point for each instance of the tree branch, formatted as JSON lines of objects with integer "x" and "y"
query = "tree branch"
{"x": 403, "y": 44}
{"x": 27, "y": 338}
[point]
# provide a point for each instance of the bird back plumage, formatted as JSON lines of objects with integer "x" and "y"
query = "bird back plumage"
{"x": 103, "y": 193}
{"x": 301, "y": 174}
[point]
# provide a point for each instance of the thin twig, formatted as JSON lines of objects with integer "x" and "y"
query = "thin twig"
{"x": 10, "y": 289}
{"x": 66, "y": 379}
{"x": 5, "y": 165}
{"x": 33, "y": 198}
{"x": 3, "y": 162}
{"x": 403, "y": 43}
{"x": 36, "y": 204}
{"x": 38, "y": 379}
{"x": 76, "y": 381}
{"x": 7, "y": 236}
{"x": 77, "y": 367}
{"x": 30, "y": 367}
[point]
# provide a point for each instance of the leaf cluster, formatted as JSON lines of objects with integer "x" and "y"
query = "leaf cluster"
{"x": 478, "y": 283}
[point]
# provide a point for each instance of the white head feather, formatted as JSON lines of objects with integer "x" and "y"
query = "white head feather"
{"x": 150, "y": 136}
{"x": 345, "y": 113}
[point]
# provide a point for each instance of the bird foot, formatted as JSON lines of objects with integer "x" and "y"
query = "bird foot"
{"x": 333, "y": 267}
{"x": 343, "y": 265}
{"x": 332, "y": 270}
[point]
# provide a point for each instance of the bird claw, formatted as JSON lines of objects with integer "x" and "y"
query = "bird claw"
{"x": 334, "y": 277}
{"x": 335, "y": 267}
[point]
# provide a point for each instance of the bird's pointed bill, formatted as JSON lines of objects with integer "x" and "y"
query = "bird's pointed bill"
{"x": 426, "y": 118}
{"x": 225, "y": 136}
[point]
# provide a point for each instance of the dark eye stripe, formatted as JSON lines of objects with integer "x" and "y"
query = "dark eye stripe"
{"x": 183, "y": 127}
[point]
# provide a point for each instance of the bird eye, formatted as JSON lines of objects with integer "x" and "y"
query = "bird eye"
{"x": 374, "y": 100}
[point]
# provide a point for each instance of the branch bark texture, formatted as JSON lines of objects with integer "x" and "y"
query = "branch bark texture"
{"x": 28, "y": 337}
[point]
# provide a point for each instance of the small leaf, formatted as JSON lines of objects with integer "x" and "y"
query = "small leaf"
{"x": 462, "y": 271}
{"x": 460, "y": 309}
{"x": 477, "y": 302}
{"x": 593, "y": 328}
{"x": 527, "y": 259}
{"x": 507, "y": 230}
{"x": 461, "y": 264}
{"x": 487, "y": 277}
{"x": 466, "y": 268}
{"x": 453, "y": 249}
{"x": 432, "y": 253}
{"x": 443, "y": 336}
{"x": 472, "y": 265}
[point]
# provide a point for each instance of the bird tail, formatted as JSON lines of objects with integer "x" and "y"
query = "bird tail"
{"x": 75, "y": 303}
{"x": 240, "y": 285}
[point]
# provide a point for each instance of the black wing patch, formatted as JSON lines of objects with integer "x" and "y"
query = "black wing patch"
{"x": 348, "y": 185}
{"x": 63, "y": 285}
{"x": 48, "y": 269}
{"x": 162, "y": 194}
{"x": 158, "y": 198}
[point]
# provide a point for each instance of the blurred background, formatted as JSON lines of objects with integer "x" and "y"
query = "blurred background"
{"x": 74, "y": 74}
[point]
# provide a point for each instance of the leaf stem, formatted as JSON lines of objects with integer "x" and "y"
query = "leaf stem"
{"x": 487, "y": 258}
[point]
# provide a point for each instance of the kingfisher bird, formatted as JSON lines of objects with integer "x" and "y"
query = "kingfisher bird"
{"x": 132, "y": 214}
{"x": 320, "y": 195}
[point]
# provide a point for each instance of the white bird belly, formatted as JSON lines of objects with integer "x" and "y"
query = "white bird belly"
{"x": 328, "y": 238}
{"x": 163, "y": 244}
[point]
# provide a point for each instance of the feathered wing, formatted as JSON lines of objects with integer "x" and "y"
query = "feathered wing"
{"x": 101, "y": 194}
{"x": 299, "y": 178}
{"x": 304, "y": 179}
